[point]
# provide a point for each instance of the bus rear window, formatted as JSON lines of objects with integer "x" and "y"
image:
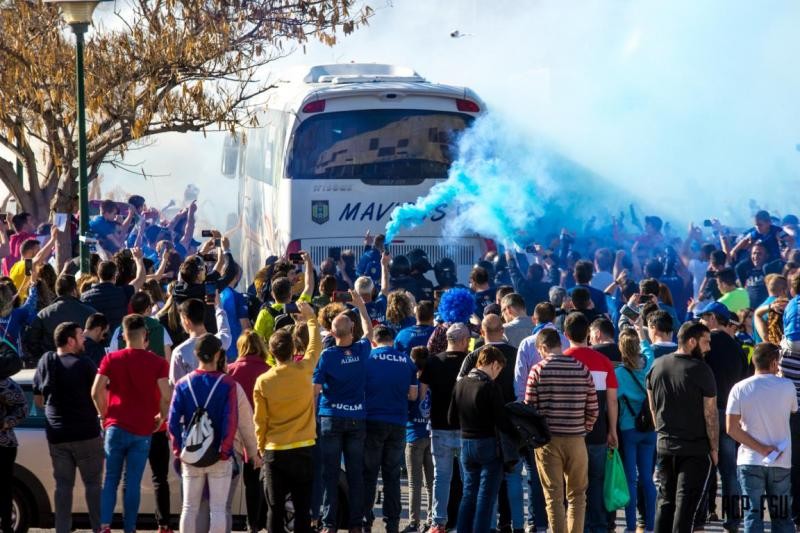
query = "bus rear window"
{"x": 381, "y": 146}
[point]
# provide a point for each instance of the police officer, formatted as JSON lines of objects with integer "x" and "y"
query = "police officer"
{"x": 419, "y": 264}
{"x": 402, "y": 278}
{"x": 446, "y": 274}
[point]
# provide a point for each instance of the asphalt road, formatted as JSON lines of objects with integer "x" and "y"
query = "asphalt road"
{"x": 378, "y": 525}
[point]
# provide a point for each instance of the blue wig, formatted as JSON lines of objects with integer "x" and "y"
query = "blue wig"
{"x": 456, "y": 305}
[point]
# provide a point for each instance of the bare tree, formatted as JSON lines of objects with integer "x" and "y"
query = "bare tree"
{"x": 172, "y": 66}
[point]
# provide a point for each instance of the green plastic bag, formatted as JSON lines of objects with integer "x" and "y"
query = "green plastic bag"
{"x": 615, "y": 484}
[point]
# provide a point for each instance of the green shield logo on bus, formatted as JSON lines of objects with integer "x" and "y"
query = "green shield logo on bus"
{"x": 319, "y": 211}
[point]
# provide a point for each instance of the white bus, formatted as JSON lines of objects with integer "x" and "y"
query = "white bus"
{"x": 336, "y": 148}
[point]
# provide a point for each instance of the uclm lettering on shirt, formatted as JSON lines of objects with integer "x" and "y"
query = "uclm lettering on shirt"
{"x": 348, "y": 407}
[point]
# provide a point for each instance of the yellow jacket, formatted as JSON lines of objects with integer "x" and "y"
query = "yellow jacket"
{"x": 284, "y": 400}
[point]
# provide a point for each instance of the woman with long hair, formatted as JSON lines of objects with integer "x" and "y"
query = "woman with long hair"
{"x": 638, "y": 444}
{"x": 399, "y": 310}
{"x": 251, "y": 363}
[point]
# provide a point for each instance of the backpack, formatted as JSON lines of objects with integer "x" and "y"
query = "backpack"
{"x": 279, "y": 318}
{"x": 198, "y": 447}
{"x": 643, "y": 420}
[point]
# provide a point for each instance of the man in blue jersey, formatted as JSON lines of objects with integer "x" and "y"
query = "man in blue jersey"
{"x": 391, "y": 383}
{"x": 234, "y": 304}
{"x": 419, "y": 333}
{"x": 339, "y": 379}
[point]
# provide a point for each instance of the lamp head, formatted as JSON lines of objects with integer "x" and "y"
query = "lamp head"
{"x": 76, "y": 11}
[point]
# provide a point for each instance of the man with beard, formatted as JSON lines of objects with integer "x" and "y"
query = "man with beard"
{"x": 683, "y": 398}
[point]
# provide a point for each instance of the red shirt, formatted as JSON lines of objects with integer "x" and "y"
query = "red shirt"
{"x": 602, "y": 370}
{"x": 133, "y": 393}
{"x": 245, "y": 371}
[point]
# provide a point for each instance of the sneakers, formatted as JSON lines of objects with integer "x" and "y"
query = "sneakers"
{"x": 164, "y": 529}
{"x": 413, "y": 527}
{"x": 437, "y": 528}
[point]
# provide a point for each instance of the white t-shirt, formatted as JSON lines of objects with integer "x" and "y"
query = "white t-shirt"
{"x": 764, "y": 402}
{"x": 698, "y": 270}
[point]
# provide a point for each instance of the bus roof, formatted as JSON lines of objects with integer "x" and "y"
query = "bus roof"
{"x": 300, "y": 85}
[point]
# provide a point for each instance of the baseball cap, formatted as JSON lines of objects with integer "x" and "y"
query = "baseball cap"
{"x": 716, "y": 308}
{"x": 790, "y": 220}
{"x": 457, "y": 332}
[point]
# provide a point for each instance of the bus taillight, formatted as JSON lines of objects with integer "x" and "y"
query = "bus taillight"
{"x": 465, "y": 105}
{"x": 317, "y": 106}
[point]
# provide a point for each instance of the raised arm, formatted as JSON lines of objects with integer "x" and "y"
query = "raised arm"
{"x": 141, "y": 270}
{"x": 386, "y": 258}
{"x": 314, "y": 347}
{"x": 47, "y": 248}
{"x": 366, "y": 322}
{"x": 190, "y": 222}
{"x": 308, "y": 276}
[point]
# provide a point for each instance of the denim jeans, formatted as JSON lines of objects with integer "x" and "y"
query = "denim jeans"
{"x": 88, "y": 457}
{"x": 131, "y": 451}
{"x": 638, "y": 454}
{"x": 482, "y": 469}
{"x": 727, "y": 474}
{"x": 596, "y": 514}
{"x": 771, "y": 486}
{"x": 513, "y": 481}
{"x": 340, "y": 435}
{"x": 537, "y": 511}
{"x": 419, "y": 464}
{"x": 194, "y": 479}
{"x": 445, "y": 446}
{"x": 383, "y": 450}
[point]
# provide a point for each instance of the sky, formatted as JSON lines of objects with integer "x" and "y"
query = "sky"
{"x": 689, "y": 108}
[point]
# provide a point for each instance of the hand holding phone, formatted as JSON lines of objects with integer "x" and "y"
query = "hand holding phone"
{"x": 28, "y": 267}
{"x": 207, "y": 233}
{"x": 296, "y": 258}
{"x": 342, "y": 296}
{"x": 211, "y": 292}
{"x": 291, "y": 308}
{"x": 629, "y": 312}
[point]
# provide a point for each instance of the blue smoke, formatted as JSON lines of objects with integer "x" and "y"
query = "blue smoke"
{"x": 508, "y": 187}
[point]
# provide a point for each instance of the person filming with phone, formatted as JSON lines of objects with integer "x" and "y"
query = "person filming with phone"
{"x": 275, "y": 315}
{"x": 32, "y": 253}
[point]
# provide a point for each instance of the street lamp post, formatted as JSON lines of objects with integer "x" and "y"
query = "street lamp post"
{"x": 78, "y": 14}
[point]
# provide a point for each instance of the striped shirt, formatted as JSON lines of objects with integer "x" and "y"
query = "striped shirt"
{"x": 790, "y": 368}
{"x": 562, "y": 389}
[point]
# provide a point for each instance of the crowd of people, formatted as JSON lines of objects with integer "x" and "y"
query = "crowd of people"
{"x": 680, "y": 352}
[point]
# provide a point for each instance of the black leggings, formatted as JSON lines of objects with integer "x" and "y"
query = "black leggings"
{"x": 254, "y": 498}
{"x": 159, "y": 457}
{"x": 7, "y": 457}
